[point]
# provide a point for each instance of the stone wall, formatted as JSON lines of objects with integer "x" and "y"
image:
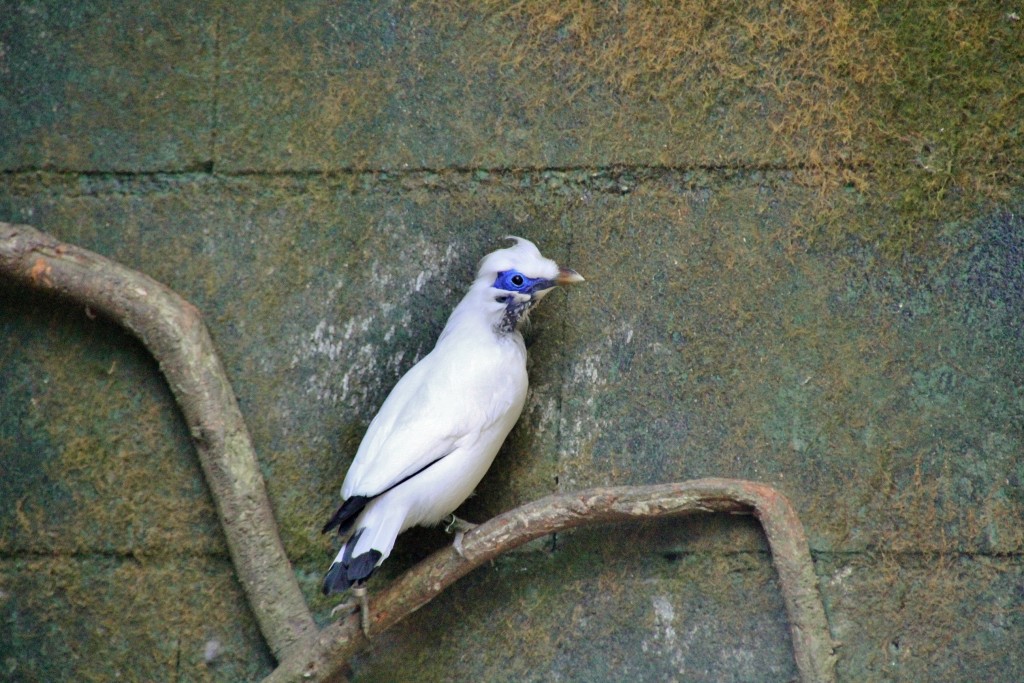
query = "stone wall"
{"x": 800, "y": 227}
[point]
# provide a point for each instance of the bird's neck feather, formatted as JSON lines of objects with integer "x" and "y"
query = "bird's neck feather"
{"x": 477, "y": 314}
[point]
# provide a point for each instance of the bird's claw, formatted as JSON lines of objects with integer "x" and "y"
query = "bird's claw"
{"x": 457, "y": 544}
{"x": 453, "y": 524}
{"x": 344, "y": 606}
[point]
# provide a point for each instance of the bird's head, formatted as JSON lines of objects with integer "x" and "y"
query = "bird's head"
{"x": 516, "y": 279}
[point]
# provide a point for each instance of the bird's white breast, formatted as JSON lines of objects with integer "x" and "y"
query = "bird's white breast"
{"x": 460, "y": 400}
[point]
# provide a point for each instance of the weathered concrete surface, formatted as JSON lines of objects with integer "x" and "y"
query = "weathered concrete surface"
{"x": 804, "y": 267}
{"x": 102, "y": 617}
{"x": 104, "y": 86}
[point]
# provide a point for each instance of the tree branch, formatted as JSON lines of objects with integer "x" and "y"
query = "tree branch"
{"x": 174, "y": 333}
{"x": 323, "y": 659}
{"x": 172, "y": 330}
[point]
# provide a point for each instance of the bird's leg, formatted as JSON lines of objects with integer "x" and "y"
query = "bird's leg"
{"x": 359, "y": 593}
{"x": 360, "y": 602}
{"x": 459, "y": 527}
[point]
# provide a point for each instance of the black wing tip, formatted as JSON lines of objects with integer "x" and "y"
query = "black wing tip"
{"x": 346, "y": 514}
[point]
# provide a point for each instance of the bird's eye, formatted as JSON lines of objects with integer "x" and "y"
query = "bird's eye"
{"x": 517, "y": 280}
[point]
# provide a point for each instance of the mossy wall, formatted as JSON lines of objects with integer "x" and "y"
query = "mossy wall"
{"x": 800, "y": 224}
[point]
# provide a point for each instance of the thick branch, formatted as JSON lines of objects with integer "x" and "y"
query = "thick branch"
{"x": 322, "y": 659}
{"x": 174, "y": 333}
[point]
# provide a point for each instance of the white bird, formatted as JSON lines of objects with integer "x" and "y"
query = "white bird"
{"x": 441, "y": 426}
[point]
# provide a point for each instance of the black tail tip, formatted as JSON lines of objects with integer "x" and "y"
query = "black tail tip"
{"x": 335, "y": 580}
{"x": 343, "y": 575}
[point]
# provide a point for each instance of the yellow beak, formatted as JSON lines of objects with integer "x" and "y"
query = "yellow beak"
{"x": 568, "y": 276}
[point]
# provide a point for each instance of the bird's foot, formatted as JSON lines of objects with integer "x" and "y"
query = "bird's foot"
{"x": 358, "y": 601}
{"x": 459, "y": 527}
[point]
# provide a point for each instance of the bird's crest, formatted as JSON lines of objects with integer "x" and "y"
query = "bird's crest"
{"x": 523, "y": 256}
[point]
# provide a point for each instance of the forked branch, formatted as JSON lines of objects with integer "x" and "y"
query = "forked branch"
{"x": 174, "y": 333}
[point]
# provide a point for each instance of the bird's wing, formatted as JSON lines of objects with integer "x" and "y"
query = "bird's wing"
{"x": 432, "y": 410}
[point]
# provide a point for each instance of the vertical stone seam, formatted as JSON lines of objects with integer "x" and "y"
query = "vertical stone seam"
{"x": 211, "y": 164}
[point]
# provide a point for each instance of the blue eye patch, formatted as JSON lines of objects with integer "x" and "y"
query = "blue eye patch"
{"x": 514, "y": 281}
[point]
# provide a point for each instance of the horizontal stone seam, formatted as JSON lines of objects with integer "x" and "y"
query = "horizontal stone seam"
{"x": 141, "y": 556}
{"x": 613, "y": 180}
{"x": 209, "y": 168}
{"x": 670, "y": 555}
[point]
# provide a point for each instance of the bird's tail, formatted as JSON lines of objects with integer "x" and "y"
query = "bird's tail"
{"x": 365, "y": 550}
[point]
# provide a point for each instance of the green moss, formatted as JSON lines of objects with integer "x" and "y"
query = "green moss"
{"x": 935, "y": 604}
{"x": 902, "y": 117}
{"x": 106, "y": 86}
{"x": 102, "y": 382}
{"x": 607, "y": 601}
{"x": 149, "y": 619}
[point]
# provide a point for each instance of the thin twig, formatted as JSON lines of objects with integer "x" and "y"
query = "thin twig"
{"x": 174, "y": 333}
